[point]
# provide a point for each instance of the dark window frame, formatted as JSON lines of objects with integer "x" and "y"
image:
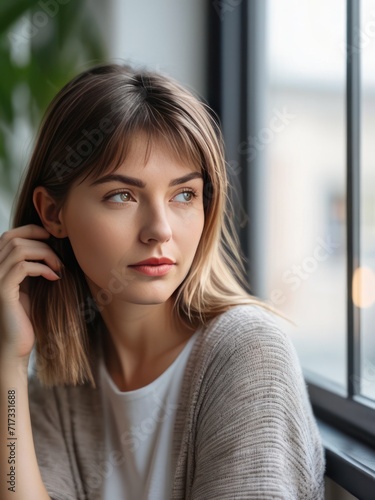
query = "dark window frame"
{"x": 236, "y": 67}
{"x": 351, "y": 412}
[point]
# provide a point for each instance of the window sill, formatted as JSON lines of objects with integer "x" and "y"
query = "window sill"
{"x": 349, "y": 462}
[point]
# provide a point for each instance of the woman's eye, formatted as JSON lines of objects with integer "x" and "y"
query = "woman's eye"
{"x": 187, "y": 196}
{"x": 121, "y": 197}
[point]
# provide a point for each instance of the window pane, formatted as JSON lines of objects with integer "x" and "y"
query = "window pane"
{"x": 306, "y": 247}
{"x": 366, "y": 299}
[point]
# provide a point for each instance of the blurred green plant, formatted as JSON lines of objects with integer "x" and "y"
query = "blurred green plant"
{"x": 43, "y": 44}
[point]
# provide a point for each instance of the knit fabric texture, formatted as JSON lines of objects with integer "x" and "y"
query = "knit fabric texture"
{"x": 244, "y": 425}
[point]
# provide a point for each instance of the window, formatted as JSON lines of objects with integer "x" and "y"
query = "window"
{"x": 294, "y": 86}
{"x": 366, "y": 296}
{"x": 304, "y": 134}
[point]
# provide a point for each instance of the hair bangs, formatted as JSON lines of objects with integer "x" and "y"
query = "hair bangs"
{"x": 155, "y": 129}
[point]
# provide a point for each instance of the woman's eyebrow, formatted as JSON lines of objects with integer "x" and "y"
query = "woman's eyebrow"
{"x": 138, "y": 183}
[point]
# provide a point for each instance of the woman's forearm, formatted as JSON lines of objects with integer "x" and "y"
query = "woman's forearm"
{"x": 20, "y": 475}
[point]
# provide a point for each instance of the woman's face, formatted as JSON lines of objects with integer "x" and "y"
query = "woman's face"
{"x": 113, "y": 225}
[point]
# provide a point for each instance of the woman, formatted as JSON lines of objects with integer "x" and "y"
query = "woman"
{"x": 157, "y": 375}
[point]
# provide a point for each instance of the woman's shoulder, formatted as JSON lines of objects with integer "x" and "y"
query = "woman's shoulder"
{"x": 252, "y": 335}
{"x": 246, "y": 324}
{"x": 247, "y": 344}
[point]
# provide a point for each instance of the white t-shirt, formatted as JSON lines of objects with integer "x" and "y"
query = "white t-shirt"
{"x": 139, "y": 433}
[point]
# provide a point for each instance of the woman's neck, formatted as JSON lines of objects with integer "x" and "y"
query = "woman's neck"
{"x": 132, "y": 361}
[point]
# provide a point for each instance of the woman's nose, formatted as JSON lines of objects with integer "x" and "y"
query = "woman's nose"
{"x": 156, "y": 225}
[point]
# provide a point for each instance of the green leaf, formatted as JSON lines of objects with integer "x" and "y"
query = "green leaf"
{"x": 12, "y": 10}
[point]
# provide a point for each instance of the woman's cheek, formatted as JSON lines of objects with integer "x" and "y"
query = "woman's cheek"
{"x": 91, "y": 248}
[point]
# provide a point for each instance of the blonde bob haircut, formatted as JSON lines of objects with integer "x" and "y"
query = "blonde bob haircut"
{"x": 87, "y": 131}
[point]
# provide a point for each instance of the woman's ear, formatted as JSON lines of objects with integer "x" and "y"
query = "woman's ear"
{"x": 49, "y": 212}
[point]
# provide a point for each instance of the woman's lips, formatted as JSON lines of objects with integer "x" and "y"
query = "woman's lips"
{"x": 149, "y": 270}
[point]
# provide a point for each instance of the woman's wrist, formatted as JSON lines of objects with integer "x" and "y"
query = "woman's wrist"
{"x": 11, "y": 364}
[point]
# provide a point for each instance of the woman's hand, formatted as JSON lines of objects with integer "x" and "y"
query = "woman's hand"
{"x": 20, "y": 248}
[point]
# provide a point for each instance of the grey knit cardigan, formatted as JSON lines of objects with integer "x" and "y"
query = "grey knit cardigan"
{"x": 244, "y": 425}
